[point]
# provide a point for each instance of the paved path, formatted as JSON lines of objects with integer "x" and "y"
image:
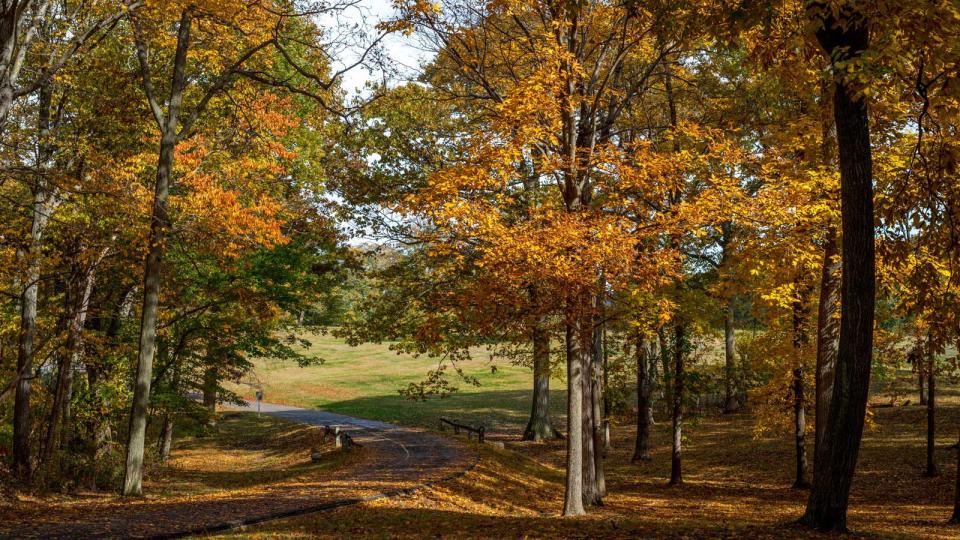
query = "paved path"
{"x": 397, "y": 460}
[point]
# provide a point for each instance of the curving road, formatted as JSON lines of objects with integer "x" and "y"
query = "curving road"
{"x": 397, "y": 460}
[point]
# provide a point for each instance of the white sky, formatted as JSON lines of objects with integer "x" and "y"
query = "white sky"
{"x": 404, "y": 56}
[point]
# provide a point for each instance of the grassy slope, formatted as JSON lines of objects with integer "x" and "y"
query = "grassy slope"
{"x": 364, "y": 381}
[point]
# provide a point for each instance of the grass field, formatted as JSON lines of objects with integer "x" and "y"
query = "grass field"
{"x": 365, "y": 380}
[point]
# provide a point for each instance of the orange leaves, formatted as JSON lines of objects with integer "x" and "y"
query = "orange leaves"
{"x": 224, "y": 201}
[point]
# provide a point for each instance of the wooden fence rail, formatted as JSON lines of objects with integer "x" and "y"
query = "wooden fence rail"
{"x": 480, "y": 431}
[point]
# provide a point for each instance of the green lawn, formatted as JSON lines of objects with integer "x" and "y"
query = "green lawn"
{"x": 365, "y": 380}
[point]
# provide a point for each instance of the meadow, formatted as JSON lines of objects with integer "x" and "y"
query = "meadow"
{"x": 365, "y": 381}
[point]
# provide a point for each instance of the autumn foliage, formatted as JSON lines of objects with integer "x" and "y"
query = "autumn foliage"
{"x": 596, "y": 189}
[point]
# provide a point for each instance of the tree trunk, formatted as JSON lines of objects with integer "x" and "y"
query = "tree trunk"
{"x": 843, "y": 38}
{"x": 606, "y": 399}
{"x": 955, "y": 518}
{"x": 148, "y": 323}
{"x": 210, "y": 395}
{"x": 800, "y": 315}
{"x": 641, "y": 451}
{"x": 97, "y": 425}
{"x": 132, "y": 482}
{"x": 931, "y": 415}
{"x": 598, "y": 418}
{"x": 828, "y": 330}
{"x": 744, "y": 381}
{"x": 666, "y": 359}
{"x": 800, "y": 430}
{"x": 166, "y": 438}
{"x": 540, "y": 427}
{"x": 60, "y": 410}
{"x": 44, "y": 202}
{"x": 590, "y": 494}
{"x": 923, "y": 391}
{"x": 730, "y": 372}
{"x": 679, "y": 351}
{"x": 573, "y": 493}
{"x": 52, "y": 440}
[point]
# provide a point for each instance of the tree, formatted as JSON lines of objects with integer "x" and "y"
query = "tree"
{"x": 844, "y": 37}
{"x": 588, "y": 89}
{"x": 254, "y": 29}
{"x": 646, "y": 355}
{"x": 955, "y": 518}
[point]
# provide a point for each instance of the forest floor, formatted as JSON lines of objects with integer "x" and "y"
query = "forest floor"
{"x": 735, "y": 486}
{"x": 234, "y": 463}
{"x": 736, "y": 483}
{"x": 253, "y": 469}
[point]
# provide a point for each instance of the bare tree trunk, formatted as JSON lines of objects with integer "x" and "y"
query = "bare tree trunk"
{"x": 598, "y": 420}
{"x": 666, "y": 359}
{"x": 923, "y": 391}
{"x": 97, "y": 425}
{"x": 679, "y": 351}
{"x": 60, "y": 411}
{"x": 800, "y": 315}
{"x": 539, "y": 427}
{"x": 931, "y": 470}
{"x": 132, "y": 483}
{"x": 828, "y": 330}
{"x": 844, "y": 37}
{"x": 800, "y": 430}
{"x": 210, "y": 394}
{"x": 573, "y": 493}
{"x": 641, "y": 450}
{"x": 166, "y": 438}
{"x": 955, "y": 518}
{"x": 606, "y": 399}
{"x": 744, "y": 381}
{"x": 148, "y": 326}
{"x": 730, "y": 372}
{"x": 590, "y": 494}
{"x": 52, "y": 440}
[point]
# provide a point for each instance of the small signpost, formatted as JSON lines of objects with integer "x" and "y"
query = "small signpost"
{"x": 259, "y": 399}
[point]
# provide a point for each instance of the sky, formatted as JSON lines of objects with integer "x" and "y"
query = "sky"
{"x": 404, "y": 56}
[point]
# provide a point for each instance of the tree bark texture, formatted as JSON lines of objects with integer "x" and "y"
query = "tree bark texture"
{"x": 844, "y": 37}
{"x": 644, "y": 350}
{"x": 679, "y": 351}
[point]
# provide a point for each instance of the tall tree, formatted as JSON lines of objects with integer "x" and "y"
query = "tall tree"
{"x": 46, "y": 198}
{"x": 237, "y": 34}
{"x": 844, "y": 36}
